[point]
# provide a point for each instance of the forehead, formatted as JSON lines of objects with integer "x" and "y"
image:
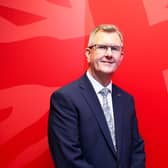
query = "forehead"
{"x": 102, "y": 37}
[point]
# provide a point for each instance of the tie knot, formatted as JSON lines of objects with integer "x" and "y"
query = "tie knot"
{"x": 104, "y": 92}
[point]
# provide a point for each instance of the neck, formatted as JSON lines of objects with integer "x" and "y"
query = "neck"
{"x": 103, "y": 79}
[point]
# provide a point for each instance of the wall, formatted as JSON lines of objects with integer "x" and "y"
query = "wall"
{"x": 42, "y": 48}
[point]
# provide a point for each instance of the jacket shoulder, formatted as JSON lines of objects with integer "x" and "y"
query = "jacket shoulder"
{"x": 121, "y": 91}
{"x": 70, "y": 88}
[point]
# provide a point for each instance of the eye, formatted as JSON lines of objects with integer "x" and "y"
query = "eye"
{"x": 102, "y": 47}
{"x": 115, "y": 48}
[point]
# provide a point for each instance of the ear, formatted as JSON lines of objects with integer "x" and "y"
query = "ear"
{"x": 121, "y": 56}
{"x": 87, "y": 54}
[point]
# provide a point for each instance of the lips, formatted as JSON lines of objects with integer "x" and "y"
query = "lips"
{"x": 109, "y": 62}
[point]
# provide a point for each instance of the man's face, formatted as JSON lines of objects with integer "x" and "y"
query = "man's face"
{"x": 106, "y": 55}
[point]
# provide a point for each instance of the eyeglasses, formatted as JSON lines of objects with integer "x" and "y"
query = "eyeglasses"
{"x": 101, "y": 48}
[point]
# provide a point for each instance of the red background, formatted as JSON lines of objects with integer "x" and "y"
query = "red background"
{"x": 42, "y": 48}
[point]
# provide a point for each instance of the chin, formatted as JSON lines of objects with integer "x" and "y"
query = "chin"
{"x": 109, "y": 71}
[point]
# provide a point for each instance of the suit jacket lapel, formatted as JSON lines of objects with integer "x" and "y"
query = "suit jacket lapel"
{"x": 117, "y": 109}
{"x": 92, "y": 100}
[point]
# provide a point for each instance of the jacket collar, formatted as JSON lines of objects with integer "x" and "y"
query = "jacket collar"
{"x": 92, "y": 100}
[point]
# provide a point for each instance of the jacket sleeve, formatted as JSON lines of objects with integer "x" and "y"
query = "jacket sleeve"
{"x": 63, "y": 133}
{"x": 138, "y": 153}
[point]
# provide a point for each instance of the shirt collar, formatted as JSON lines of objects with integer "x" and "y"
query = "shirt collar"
{"x": 96, "y": 85}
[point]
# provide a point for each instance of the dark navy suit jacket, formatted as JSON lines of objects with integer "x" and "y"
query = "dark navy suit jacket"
{"x": 78, "y": 133}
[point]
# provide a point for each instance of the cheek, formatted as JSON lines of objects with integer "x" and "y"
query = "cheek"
{"x": 94, "y": 58}
{"x": 119, "y": 60}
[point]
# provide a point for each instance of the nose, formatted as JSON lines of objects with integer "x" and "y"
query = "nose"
{"x": 109, "y": 52}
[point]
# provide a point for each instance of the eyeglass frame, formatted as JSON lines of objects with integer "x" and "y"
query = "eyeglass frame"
{"x": 104, "y": 48}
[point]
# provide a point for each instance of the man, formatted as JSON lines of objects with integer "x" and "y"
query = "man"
{"x": 92, "y": 122}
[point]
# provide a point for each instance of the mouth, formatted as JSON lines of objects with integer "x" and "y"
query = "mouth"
{"x": 108, "y": 62}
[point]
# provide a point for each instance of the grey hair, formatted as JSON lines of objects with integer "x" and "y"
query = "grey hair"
{"x": 109, "y": 28}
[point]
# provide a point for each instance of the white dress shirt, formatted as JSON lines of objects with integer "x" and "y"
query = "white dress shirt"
{"x": 98, "y": 87}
